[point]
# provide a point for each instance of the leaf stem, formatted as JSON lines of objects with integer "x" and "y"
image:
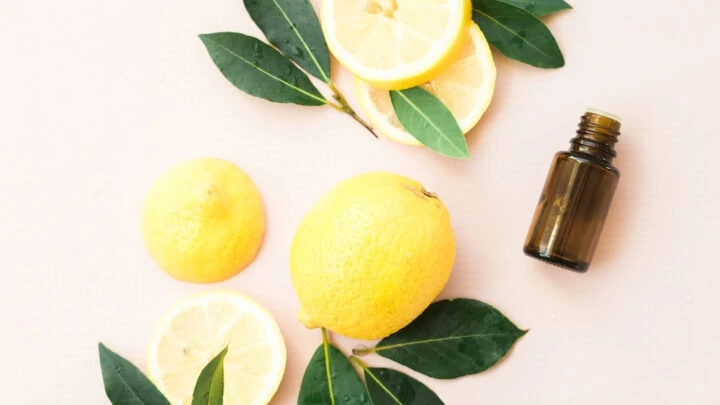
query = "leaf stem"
{"x": 326, "y": 343}
{"x": 359, "y": 362}
{"x": 377, "y": 380}
{"x": 344, "y": 107}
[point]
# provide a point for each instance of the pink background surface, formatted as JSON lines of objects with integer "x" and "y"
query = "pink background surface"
{"x": 98, "y": 97}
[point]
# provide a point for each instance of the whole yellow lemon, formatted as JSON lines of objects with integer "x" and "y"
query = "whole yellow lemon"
{"x": 203, "y": 221}
{"x": 371, "y": 255}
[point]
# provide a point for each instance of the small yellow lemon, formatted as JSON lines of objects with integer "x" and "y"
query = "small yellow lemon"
{"x": 371, "y": 255}
{"x": 203, "y": 221}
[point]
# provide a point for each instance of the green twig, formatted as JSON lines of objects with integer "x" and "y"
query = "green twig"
{"x": 344, "y": 107}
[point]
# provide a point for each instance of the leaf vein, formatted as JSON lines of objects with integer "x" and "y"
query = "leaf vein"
{"x": 215, "y": 384}
{"x": 432, "y": 123}
{"x": 135, "y": 395}
{"x": 299, "y": 90}
{"x": 326, "y": 349}
{"x": 297, "y": 33}
{"x": 384, "y": 388}
{"x": 505, "y": 27}
{"x": 434, "y": 340}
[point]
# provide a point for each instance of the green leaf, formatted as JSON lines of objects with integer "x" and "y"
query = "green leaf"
{"x": 125, "y": 384}
{"x": 330, "y": 379}
{"x": 426, "y": 118}
{"x": 540, "y": 8}
{"x": 390, "y": 387}
{"x": 451, "y": 339}
{"x": 517, "y": 34}
{"x": 260, "y": 70}
{"x": 210, "y": 385}
{"x": 293, "y": 27}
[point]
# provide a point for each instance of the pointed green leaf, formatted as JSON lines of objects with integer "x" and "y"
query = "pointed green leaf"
{"x": 260, "y": 70}
{"x": 390, "y": 387}
{"x": 330, "y": 379}
{"x": 293, "y": 27}
{"x": 427, "y": 119}
{"x": 517, "y": 34}
{"x": 540, "y": 8}
{"x": 125, "y": 384}
{"x": 210, "y": 385}
{"x": 451, "y": 339}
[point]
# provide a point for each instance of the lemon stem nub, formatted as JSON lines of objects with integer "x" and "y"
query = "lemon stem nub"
{"x": 362, "y": 350}
{"x": 430, "y": 193}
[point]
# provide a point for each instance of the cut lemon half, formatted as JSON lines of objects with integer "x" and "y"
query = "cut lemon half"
{"x": 194, "y": 331}
{"x": 466, "y": 87}
{"x": 394, "y": 44}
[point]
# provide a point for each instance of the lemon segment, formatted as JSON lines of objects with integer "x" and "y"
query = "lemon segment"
{"x": 371, "y": 255}
{"x": 394, "y": 44}
{"x": 203, "y": 221}
{"x": 195, "y": 330}
{"x": 466, "y": 87}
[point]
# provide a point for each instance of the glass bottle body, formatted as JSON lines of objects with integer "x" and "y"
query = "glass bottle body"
{"x": 576, "y": 197}
{"x": 571, "y": 212}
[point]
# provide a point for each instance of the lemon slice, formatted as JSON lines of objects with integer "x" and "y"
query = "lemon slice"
{"x": 466, "y": 87}
{"x": 394, "y": 44}
{"x": 198, "y": 328}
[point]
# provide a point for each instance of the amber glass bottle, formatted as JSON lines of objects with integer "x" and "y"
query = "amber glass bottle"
{"x": 577, "y": 194}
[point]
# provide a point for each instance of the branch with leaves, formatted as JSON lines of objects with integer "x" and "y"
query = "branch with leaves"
{"x": 281, "y": 72}
{"x": 263, "y": 71}
{"x": 451, "y": 339}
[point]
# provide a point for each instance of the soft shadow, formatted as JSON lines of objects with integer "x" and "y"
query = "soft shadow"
{"x": 613, "y": 240}
{"x": 294, "y": 361}
{"x": 476, "y": 136}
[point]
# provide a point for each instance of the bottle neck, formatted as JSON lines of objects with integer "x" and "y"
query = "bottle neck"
{"x": 597, "y": 135}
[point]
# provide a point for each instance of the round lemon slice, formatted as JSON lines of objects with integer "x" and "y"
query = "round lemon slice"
{"x": 466, "y": 87}
{"x": 394, "y": 44}
{"x": 195, "y": 330}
